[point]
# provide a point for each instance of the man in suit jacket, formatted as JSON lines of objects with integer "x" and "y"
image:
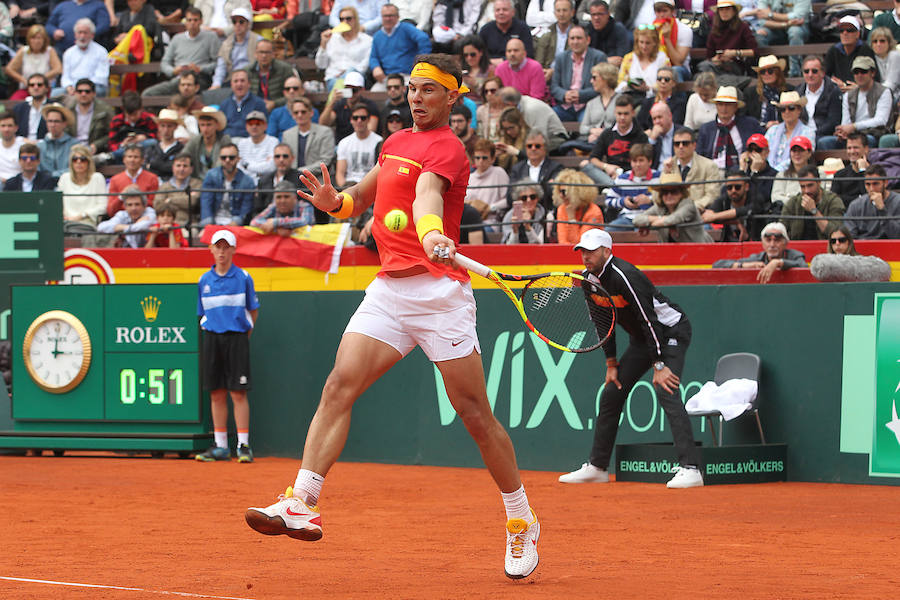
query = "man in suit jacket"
{"x": 693, "y": 168}
{"x": 31, "y": 179}
{"x": 823, "y": 98}
{"x": 536, "y": 167}
{"x": 571, "y": 96}
{"x": 29, "y": 112}
{"x": 96, "y": 134}
{"x": 556, "y": 40}
{"x": 284, "y": 171}
{"x": 724, "y": 139}
{"x": 310, "y": 142}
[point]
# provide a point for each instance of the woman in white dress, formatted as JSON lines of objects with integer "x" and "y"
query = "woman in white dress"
{"x": 639, "y": 66}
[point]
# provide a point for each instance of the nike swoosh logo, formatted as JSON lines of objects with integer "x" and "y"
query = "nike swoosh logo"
{"x": 455, "y": 344}
{"x": 296, "y": 514}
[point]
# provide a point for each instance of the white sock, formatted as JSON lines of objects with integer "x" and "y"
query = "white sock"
{"x": 308, "y": 486}
{"x": 243, "y": 437}
{"x": 221, "y": 438}
{"x": 516, "y": 504}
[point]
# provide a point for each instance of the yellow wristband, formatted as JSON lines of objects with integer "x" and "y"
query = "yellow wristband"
{"x": 346, "y": 209}
{"x": 429, "y": 222}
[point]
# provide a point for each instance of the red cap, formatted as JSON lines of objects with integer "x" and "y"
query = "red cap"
{"x": 758, "y": 139}
{"x": 801, "y": 141}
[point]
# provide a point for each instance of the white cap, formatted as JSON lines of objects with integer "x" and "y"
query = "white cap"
{"x": 242, "y": 12}
{"x": 669, "y": 2}
{"x": 224, "y": 234}
{"x": 775, "y": 227}
{"x": 850, "y": 20}
{"x": 355, "y": 79}
{"x": 593, "y": 239}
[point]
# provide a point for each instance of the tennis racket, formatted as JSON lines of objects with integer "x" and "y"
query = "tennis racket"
{"x": 564, "y": 309}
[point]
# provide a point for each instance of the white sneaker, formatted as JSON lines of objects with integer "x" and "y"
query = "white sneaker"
{"x": 686, "y": 477}
{"x": 521, "y": 547}
{"x": 588, "y": 473}
{"x": 289, "y": 516}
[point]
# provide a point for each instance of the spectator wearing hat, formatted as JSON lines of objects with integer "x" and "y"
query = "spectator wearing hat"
{"x": 764, "y": 95}
{"x": 216, "y": 14}
{"x": 730, "y": 44}
{"x": 286, "y": 213}
{"x": 240, "y": 103}
{"x": 396, "y": 101}
{"x": 86, "y": 59}
{"x": 505, "y": 26}
{"x": 159, "y": 157}
{"x": 724, "y": 139}
{"x": 784, "y": 21}
{"x": 204, "y": 148}
{"x": 57, "y": 144}
{"x": 395, "y": 46}
{"x": 775, "y": 255}
{"x": 238, "y": 50}
{"x": 570, "y": 84}
{"x": 673, "y": 212}
{"x": 268, "y": 75}
{"x": 840, "y": 57}
{"x": 738, "y": 208}
{"x": 878, "y": 201}
{"x": 812, "y": 201}
{"x": 234, "y": 202}
{"x": 257, "y": 148}
{"x": 523, "y": 73}
{"x": 193, "y": 50}
{"x": 337, "y": 112}
{"x": 755, "y": 165}
{"x": 789, "y": 132}
{"x": 697, "y": 170}
{"x": 675, "y": 38}
{"x": 823, "y": 98}
{"x": 133, "y": 175}
{"x": 865, "y": 108}
{"x": 785, "y": 185}
{"x": 344, "y": 49}
{"x": 849, "y": 181}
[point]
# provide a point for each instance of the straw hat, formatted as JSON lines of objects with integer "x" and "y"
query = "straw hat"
{"x": 169, "y": 115}
{"x": 728, "y": 94}
{"x": 668, "y": 181}
{"x": 790, "y": 99}
{"x": 831, "y": 166}
{"x": 66, "y": 113}
{"x": 770, "y": 61}
{"x": 728, "y": 4}
{"x": 211, "y": 112}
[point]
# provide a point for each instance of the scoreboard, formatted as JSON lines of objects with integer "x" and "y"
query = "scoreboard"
{"x": 107, "y": 367}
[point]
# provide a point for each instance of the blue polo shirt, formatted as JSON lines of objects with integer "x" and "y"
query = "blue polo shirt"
{"x": 225, "y": 301}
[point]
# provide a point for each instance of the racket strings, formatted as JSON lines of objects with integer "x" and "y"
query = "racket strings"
{"x": 566, "y": 312}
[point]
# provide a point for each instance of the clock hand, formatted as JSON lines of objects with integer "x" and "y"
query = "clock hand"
{"x": 56, "y": 351}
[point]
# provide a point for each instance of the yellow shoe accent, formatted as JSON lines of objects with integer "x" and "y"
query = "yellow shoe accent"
{"x": 516, "y": 525}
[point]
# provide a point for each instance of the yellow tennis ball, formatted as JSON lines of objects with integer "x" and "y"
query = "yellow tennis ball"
{"x": 396, "y": 220}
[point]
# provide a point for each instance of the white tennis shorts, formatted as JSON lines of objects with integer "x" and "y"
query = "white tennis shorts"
{"x": 437, "y": 314}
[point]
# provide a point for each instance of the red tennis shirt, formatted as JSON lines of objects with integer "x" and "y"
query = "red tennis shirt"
{"x": 404, "y": 156}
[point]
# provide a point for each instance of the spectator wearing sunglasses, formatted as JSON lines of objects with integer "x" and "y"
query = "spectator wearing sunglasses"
{"x": 694, "y": 168}
{"x": 665, "y": 93}
{"x": 840, "y": 57}
{"x": 738, "y": 208}
{"x": 281, "y": 119}
{"x": 762, "y": 98}
{"x": 889, "y": 19}
{"x": 775, "y": 255}
{"x": 396, "y": 101}
{"x": 781, "y": 136}
{"x": 822, "y": 112}
{"x": 887, "y": 58}
{"x": 878, "y": 201}
{"x": 31, "y": 177}
{"x": 755, "y": 165}
{"x": 841, "y": 242}
{"x": 865, "y": 109}
{"x": 673, "y": 212}
{"x": 536, "y": 167}
{"x": 233, "y": 204}
{"x": 812, "y": 201}
{"x": 524, "y": 222}
{"x": 284, "y": 159}
{"x": 358, "y": 152}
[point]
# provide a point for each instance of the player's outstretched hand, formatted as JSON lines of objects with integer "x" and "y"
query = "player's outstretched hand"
{"x": 324, "y": 196}
{"x": 438, "y": 247}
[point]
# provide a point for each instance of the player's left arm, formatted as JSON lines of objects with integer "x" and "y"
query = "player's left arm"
{"x": 430, "y": 189}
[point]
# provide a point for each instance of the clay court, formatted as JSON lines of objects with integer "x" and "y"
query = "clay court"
{"x": 175, "y": 528}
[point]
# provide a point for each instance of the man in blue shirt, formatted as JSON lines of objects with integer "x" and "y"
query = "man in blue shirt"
{"x": 232, "y": 206}
{"x": 240, "y": 104}
{"x": 61, "y": 24}
{"x": 395, "y": 46}
{"x": 227, "y": 306}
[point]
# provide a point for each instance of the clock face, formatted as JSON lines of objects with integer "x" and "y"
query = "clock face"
{"x": 57, "y": 351}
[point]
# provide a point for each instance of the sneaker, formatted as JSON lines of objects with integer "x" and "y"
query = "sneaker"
{"x": 521, "y": 547}
{"x": 685, "y": 477}
{"x": 244, "y": 453}
{"x": 213, "y": 454}
{"x": 588, "y": 473}
{"x": 289, "y": 516}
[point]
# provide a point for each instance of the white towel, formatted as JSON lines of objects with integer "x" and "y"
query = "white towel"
{"x": 732, "y": 398}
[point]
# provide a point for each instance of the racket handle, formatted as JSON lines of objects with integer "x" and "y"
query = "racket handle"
{"x": 467, "y": 263}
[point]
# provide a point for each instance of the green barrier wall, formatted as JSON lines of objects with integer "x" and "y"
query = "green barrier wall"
{"x": 547, "y": 399}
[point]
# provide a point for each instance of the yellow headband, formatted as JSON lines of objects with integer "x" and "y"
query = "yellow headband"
{"x": 432, "y": 72}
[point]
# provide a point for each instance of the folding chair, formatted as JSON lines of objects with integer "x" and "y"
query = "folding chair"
{"x": 740, "y": 365}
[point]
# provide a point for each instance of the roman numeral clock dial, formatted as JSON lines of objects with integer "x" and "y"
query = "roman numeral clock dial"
{"x": 57, "y": 351}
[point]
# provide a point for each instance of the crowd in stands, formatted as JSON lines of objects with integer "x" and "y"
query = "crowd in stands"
{"x": 633, "y": 115}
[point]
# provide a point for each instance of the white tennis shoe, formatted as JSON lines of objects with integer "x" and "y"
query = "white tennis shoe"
{"x": 588, "y": 473}
{"x": 521, "y": 546}
{"x": 289, "y": 516}
{"x": 686, "y": 477}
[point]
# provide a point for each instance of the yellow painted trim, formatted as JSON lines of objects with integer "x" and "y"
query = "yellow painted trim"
{"x": 406, "y": 160}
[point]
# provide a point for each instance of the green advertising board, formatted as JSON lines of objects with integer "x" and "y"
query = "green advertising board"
{"x": 885, "y": 457}
{"x": 141, "y": 380}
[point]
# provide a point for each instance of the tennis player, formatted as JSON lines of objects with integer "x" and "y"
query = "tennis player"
{"x": 418, "y": 298}
{"x": 660, "y": 334}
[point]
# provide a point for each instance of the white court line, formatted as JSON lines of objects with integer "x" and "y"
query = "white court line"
{"x": 116, "y": 587}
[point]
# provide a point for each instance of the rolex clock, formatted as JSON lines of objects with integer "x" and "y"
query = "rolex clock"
{"x": 57, "y": 351}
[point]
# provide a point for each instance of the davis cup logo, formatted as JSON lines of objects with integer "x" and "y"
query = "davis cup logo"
{"x": 81, "y": 266}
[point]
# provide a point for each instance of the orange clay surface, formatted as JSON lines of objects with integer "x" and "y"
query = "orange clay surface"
{"x": 175, "y": 528}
